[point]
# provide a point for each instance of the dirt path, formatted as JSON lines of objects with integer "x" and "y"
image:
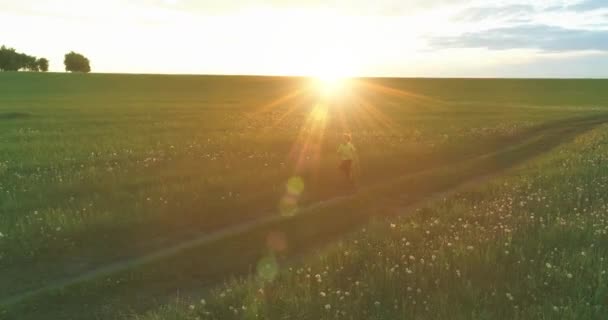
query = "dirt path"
{"x": 138, "y": 282}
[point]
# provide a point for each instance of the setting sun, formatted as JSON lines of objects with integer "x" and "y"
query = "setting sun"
{"x": 331, "y": 85}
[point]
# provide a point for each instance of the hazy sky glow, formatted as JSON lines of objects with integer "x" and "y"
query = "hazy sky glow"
{"x": 512, "y": 38}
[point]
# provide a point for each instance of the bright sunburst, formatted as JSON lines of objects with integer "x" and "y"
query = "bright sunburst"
{"x": 331, "y": 85}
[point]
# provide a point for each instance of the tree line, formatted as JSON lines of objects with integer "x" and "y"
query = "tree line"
{"x": 11, "y": 60}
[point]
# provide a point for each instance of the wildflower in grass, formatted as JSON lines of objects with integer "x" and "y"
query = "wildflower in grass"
{"x": 203, "y": 302}
{"x": 393, "y": 226}
{"x": 549, "y": 266}
{"x": 191, "y": 307}
{"x": 1, "y": 235}
{"x": 509, "y": 296}
{"x": 322, "y": 294}
{"x": 569, "y": 275}
{"x": 328, "y": 306}
{"x": 377, "y": 303}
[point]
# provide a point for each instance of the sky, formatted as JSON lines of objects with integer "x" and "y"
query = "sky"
{"x": 403, "y": 38}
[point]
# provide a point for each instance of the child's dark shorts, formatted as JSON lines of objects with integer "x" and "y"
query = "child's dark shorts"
{"x": 346, "y": 166}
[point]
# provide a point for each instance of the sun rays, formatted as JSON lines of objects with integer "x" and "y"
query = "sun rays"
{"x": 331, "y": 86}
{"x": 330, "y": 106}
{"x": 334, "y": 105}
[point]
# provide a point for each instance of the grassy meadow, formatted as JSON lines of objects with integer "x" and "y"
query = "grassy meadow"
{"x": 532, "y": 245}
{"x": 97, "y": 169}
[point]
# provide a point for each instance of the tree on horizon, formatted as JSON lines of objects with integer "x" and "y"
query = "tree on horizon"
{"x": 43, "y": 64}
{"x": 76, "y": 62}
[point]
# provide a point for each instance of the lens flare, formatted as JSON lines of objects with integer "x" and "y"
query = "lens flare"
{"x": 295, "y": 185}
{"x": 288, "y": 205}
{"x": 267, "y": 268}
{"x": 276, "y": 241}
{"x": 319, "y": 113}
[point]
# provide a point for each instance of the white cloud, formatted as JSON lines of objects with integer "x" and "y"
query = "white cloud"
{"x": 596, "y": 19}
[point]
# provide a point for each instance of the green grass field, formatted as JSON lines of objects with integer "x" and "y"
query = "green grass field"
{"x": 115, "y": 191}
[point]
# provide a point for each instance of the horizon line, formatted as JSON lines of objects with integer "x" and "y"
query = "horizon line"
{"x": 312, "y": 76}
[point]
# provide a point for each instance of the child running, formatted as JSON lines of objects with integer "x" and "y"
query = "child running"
{"x": 347, "y": 153}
